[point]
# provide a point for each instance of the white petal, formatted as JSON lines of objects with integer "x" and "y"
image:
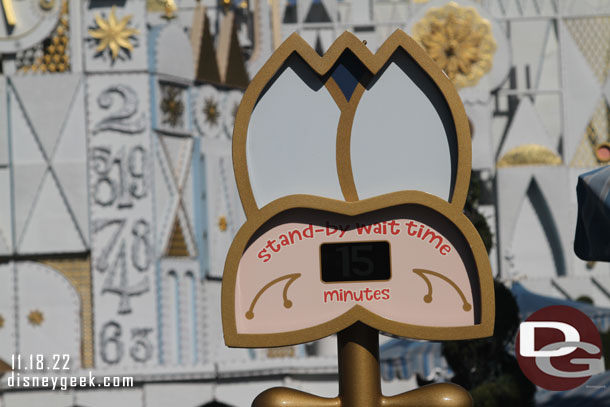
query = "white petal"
{"x": 398, "y": 139}
{"x": 291, "y": 139}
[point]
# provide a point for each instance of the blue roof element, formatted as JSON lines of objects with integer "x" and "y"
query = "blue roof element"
{"x": 595, "y": 392}
{"x": 592, "y": 240}
{"x": 530, "y": 302}
{"x": 346, "y": 81}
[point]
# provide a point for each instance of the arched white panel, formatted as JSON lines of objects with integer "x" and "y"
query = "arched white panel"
{"x": 530, "y": 246}
{"x": 172, "y": 321}
{"x": 191, "y": 317}
{"x": 399, "y": 141}
{"x": 174, "y": 53}
{"x": 536, "y": 245}
{"x": 210, "y": 111}
{"x": 231, "y": 104}
{"x": 48, "y": 312}
{"x": 292, "y": 136}
{"x": 223, "y": 201}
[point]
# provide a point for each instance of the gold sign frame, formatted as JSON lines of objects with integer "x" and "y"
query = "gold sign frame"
{"x": 257, "y": 217}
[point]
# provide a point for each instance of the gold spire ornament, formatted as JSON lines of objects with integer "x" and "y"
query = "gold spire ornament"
{"x": 169, "y": 8}
{"x": 9, "y": 12}
{"x": 222, "y": 223}
{"x": 113, "y": 33}
{"x": 459, "y": 40}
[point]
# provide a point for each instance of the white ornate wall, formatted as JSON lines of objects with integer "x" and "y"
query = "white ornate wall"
{"x": 118, "y": 200}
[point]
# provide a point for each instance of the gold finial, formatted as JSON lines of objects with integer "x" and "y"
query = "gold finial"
{"x": 222, "y": 223}
{"x": 46, "y": 4}
{"x": 170, "y": 9}
{"x": 9, "y": 12}
{"x": 602, "y": 153}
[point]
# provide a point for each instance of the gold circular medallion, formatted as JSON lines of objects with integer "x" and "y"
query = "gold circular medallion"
{"x": 459, "y": 40}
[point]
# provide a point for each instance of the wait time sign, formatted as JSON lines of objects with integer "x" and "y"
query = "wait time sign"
{"x": 353, "y": 171}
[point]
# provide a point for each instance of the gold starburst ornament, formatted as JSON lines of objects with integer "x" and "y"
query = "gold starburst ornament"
{"x": 113, "y": 33}
{"x": 35, "y": 318}
{"x": 459, "y": 40}
{"x": 211, "y": 112}
{"x": 172, "y": 106}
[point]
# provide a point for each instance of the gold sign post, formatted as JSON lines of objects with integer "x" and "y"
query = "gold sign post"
{"x": 360, "y": 381}
{"x": 353, "y": 170}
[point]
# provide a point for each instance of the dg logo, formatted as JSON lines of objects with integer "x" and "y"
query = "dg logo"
{"x": 559, "y": 348}
{"x": 353, "y": 170}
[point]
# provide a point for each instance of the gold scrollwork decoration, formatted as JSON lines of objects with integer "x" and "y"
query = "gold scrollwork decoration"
{"x": 287, "y": 303}
{"x": 428, "y": 297}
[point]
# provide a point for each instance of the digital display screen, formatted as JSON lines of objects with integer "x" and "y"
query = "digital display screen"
{"x": 355, "y": 261}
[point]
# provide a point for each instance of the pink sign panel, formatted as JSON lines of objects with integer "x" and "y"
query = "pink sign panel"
{"x": 407, "y": 264}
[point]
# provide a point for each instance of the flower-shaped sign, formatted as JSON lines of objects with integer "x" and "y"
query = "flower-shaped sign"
{"x": 353, "y": 171}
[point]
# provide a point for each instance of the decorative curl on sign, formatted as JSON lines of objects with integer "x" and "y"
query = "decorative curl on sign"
{"x": 459, "y": 40}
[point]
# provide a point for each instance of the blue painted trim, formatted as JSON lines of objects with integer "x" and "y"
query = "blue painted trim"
{"x": 160, "y": 356}
{"x": 194, "y": 344}
{"x": 152, "y": 81}
{"x": 9, "y": 138}
{"x": 177, "y": 317}
{"x": 190, "y": 119}
{"x": 153, "y": 102}
{"x": 153, "y": 35}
